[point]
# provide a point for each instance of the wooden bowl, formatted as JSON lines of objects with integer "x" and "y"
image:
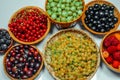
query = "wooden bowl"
{"x": 116, "y": 13}
{"x": 38, "y": 40}
{"x": 30, "y": 78}
{"x": 2, "y": 52}
{"x": 53, "y": 39}
{"x": 102, "y": 48}
{"x": 64, "y": 24}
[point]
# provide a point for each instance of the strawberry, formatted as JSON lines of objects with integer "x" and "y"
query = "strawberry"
{"x": 112, "y": 49}
{"x": 109, "y": 59}
{"x": 116, "y": 55}
{"x": 118, "y": 47}
{"x": 116, "y": 64}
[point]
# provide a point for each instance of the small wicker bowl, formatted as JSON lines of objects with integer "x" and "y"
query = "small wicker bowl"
{"x": 30, "y": 78}
{"x": 64, "y": 24}
{"x": 2, "y": 52}
{"x": 55, "y": 36}
{"x": 102, "y": 48}
{"x": 38, "y": 40}
{"x": 116, "y": 13}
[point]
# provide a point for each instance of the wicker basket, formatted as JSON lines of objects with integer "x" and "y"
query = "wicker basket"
{"x": 38, "y": 40}
{"x": 64, "y": 24}
{"x": 102, "y": 48}
{"x": 31, "y": 78}
{"x": 10, "y": 43}
{"x": 55, "y": 36}
{"x": 116, "y": 13}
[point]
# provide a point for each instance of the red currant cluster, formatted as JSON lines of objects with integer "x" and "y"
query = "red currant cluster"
{"x": 28, "y": 25}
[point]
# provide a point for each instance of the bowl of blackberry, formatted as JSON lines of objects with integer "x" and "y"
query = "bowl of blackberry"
{"x": 5, "y": 41}
{"x": 100, "y": 17}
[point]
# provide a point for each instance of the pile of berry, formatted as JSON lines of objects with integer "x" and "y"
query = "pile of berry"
{"x": 64, "y": 10}
{"x": 5, "y": 40}
{"x": 22, "y": 61}
{"x": 28, "y": 25}
{"x": 100, "y": 18}
{"x": 112, "y": 50}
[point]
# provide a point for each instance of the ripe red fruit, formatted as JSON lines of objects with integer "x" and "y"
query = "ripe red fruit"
{"x": 116, "y": 64}
{"x": 116, "y": 55}
{"x": 109, "y": 59}
{"x": 112, "y": 49}
{"x": 111, "y": 40}
{"x": 118, "y": 47}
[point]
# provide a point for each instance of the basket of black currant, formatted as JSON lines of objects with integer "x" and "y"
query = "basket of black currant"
{"x": 5, "y": 41}
{"x": 100, "y": 17}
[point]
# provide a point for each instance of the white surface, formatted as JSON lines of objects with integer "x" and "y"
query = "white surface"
{"x": 8, "y": 7}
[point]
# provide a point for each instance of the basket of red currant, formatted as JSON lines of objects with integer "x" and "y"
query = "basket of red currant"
{"x": 5, "y": 41}
{"x": 110, "y": 50}
{"x": 23, "y": 62}
{"x": 100, "y": 17}
{"x": 29, "y": 25}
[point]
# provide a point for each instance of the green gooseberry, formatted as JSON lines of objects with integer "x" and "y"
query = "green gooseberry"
{"x": 69, "y": 18}
{"x": 52, "y": 4}
{"x": 73, "y": 8}
{"x": 68, "y": 1}
{"x": 54, "y": 16}
{"x": 80, "y": 7}
{"x": 63, "y": 6}
{"x": 58, "y": 5}
{"x": 63, "y": 1}
{"x": 77, "y": 4}
{"x": 50, "y": 0}
{"x": 49, "y": 12}
{"x": 67, "y": 8}
{"x": 56, "y": 0}
{"x": 59, "y": 13}
{"x": 59, "y": 9}
{"x": 54, "y": 9}
{"x": 58, "y": 19}
{"x": 63, "y": 19}
{"x": 67, "y": 5}
{"x": 64, "y": 13}
{"x": 74, "y": 14}
{"x": 69, "y": 12}
{"x": 79, "y": 12}
{"x": 48, "y": 6}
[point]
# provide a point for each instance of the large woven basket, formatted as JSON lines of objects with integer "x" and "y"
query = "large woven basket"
{"x": 54, "y": 37}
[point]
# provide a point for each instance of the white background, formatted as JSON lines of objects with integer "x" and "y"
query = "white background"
{"x": 8, "y": 7}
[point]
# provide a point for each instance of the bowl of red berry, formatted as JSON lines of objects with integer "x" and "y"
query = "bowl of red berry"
{"x": 110, "y": 50}
{"x": 23, "y": 62}
{"x": 5, "y": 41}
{"x": 100, "y": 17}
{"x": 29, "y": 25}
